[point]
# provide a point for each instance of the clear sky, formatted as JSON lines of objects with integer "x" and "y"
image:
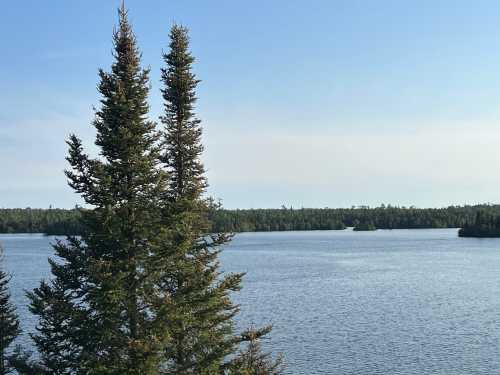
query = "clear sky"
{"x": 304, "y": 103}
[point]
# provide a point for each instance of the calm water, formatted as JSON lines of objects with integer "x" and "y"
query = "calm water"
{"x": 343, "y": 302}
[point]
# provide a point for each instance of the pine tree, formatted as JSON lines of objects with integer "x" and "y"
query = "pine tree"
{"x": 9, "y": 323}
{"x": 201, "y": 327}
{"x": 21, "y": 361}
{"x": 99, "y": 313}
{"x": 140, "y": 292}
{"x": 253, "y": 361}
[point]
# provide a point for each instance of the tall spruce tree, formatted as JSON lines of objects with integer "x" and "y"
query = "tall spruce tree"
{"x": 101, "y": 312}
{"x": 201, "y": 325}
{"x": 140, "y": 292}
{"x": 9, "y": 322}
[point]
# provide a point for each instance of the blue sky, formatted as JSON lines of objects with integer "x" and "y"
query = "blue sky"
{"x": 304, "y": 103}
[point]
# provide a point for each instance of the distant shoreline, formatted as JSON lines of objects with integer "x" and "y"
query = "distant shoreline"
{"x": 63, "y": 222}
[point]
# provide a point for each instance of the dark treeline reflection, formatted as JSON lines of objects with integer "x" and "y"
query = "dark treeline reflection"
{"x": 60, "y": 221}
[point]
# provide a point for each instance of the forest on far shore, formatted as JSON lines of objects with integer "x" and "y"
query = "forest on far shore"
{"x": 67, "y": 221}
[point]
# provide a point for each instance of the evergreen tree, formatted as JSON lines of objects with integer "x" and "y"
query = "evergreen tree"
{"x": 253, "y": 361}
{"x": 100, "y": 313}
{"x": 201, "y": 324}
{"x": 9, "y": 323}
{"x": 21, "y": 361}
{"x": 140, "y": 292}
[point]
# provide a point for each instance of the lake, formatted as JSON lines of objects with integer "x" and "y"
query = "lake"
{"x": 343, "y": 302}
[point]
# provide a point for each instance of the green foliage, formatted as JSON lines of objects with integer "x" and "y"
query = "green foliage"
{"x": 384, "y": 217}
{"x": 22, "y": 362}
{"x": 34, "y": 220}
{"x": 200, "y": 309}
{"x": 253, "y": 361}
{"x": 182, "y": 136}
{"x": 486, "y": 223}
{"x": 364, "y": 226}
{"x": 263, "y": 220}
{"x": 140, "y": 290}
{"x": 101, "y": 312}
{"x": 9, "y": 323}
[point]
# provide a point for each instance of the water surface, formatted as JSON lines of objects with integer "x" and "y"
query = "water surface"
{"x": 343, "y": 302}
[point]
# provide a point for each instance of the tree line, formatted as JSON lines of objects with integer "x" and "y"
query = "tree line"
{"x": 486, "y": 223}
{"x": 67, "y": 222}
{"x": 139, "y": 290}
{"x": 36, "y": 220}
{"x": 383, "y": 217}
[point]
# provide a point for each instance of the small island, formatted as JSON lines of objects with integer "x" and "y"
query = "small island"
{"x": 485, "y": 224}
